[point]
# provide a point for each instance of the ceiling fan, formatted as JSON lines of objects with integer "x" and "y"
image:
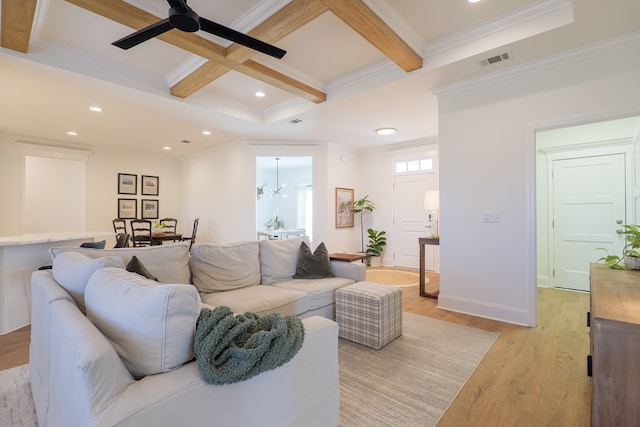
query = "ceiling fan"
{"x": 184, "y": 18}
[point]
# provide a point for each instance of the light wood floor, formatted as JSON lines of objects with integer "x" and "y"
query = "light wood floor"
{"x": 529, "y": 377}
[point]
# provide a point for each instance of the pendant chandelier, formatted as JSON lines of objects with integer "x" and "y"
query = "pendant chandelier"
{"x": 279, "y": 191}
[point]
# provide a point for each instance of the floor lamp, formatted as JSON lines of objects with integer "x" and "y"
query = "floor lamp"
{"x": 432, "y": 203}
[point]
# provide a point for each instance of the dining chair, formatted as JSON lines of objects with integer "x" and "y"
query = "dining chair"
{"x": 93, "y": 245}
{"x": 140, "y": 232}
{"x": 170, "y": 225}
{"x": 119, "y": 225}
{"x": 192, "y": 238}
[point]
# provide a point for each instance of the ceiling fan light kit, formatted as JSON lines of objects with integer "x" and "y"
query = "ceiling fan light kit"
{"x": 183, "y": 18}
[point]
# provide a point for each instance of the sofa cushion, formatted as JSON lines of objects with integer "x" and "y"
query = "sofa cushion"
{"x": 279, "y": 259}
{"x": 169, "y": 263}
{"x": 225, "y": 267}
{"x": 260, "y": 299}
{"x": 151, "y": 325}
{"x": 313, "y": 265}
{"x": 321, "y": 291}
{"x": 72, "y": 271}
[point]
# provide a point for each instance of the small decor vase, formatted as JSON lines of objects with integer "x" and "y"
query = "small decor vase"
{"x": 632, "y": 262}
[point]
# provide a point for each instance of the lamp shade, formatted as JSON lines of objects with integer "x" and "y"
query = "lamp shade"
{"x": 432, "y": 200}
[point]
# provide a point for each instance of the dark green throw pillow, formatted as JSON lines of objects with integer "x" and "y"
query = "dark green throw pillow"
{"x": 314, "y": 265}
{"x": 135, "y": 266}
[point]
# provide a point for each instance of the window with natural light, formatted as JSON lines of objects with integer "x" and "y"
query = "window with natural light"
{"x": 411, "y": 166}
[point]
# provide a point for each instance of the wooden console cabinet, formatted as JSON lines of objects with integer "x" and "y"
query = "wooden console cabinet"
{"x": 615, "y": 347}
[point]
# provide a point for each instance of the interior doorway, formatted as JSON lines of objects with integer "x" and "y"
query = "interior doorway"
{"x": 584, "y": 184}
{"x": 284, "y": 196}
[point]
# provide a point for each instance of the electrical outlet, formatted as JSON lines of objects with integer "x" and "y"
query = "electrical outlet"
{"x": 491, "y": 217}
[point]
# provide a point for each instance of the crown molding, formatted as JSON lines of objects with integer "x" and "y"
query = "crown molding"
{"x": 531, "y": 20}
{"x": 572, "y": 56}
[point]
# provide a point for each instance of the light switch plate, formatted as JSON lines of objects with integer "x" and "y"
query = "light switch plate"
{"x": 491, "y": 217}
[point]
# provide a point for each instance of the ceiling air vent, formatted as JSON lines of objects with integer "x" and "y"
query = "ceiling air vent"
{"x": 295, "y": 121}
{"x": 497, "y": 58}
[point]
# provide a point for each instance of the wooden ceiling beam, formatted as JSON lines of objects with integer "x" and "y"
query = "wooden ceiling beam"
{"x": 291, "y": 17}
{"x": 17, "y": 21}
{"x": 365, "y": 22}
{"x": 126, "y": 14}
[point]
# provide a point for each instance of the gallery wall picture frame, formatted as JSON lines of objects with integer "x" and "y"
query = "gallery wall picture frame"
{"x": 149, "y": 208}
{"x": 150, "y": 185}
{"x": 127, "y": 183}
{"x": 127, "y": 208}
{"x": 344, "y": 207}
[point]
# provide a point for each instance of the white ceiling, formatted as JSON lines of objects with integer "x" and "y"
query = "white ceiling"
{"x": 71, "y": 65}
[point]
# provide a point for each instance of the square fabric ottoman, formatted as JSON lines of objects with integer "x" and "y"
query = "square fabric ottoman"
{"x": 369, "y": 313}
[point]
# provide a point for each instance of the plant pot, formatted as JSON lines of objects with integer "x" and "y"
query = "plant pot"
{"x": 374, "y": 261}
{"x": 632, "y": 262}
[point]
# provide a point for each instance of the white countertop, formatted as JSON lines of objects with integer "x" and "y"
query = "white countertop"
{"x": 29, "y": 239}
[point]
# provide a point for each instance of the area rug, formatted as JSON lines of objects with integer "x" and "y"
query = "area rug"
{"x": 400, "y": 278}
{"x": 414, "y": 379}
{"x": 16, "y": 404}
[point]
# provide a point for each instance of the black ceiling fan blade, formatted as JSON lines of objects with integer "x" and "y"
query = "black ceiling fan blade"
{"x": 240, "y": 38}
{"x": 144, "y": 34}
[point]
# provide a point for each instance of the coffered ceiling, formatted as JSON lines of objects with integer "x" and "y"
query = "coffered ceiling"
{"x": 351, "y": 66}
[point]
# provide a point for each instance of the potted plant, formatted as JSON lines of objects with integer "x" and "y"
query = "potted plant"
{"x": 630, "y": 258}
{"x": 359, "y": 206}
{"x": 377, "y": 242}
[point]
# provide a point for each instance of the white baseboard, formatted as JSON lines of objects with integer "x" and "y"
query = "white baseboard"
{"x": 516, "y": 315}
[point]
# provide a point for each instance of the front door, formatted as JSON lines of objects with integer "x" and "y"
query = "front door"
{"x": 410, "y": 220}
{"x": 588, "y": 199}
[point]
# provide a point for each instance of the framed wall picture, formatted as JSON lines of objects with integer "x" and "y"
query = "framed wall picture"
{"x": 149, "y": 208}
{"x": 150, "y": 185}
{"x": 127, "y": 183}
{"x": 344, "y": 206}
{"x": 127, "y": 208}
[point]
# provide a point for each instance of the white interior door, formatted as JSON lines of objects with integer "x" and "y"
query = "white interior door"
{"x": 410, "y": 220}
{"x": 588, "y": 199}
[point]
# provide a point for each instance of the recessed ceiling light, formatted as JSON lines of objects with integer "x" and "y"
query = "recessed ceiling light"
{"x": 386, "y": 131}
{"x": 473, "y": 1}
{"x": 72, "y": 133}
{"x": 206, "y": 132}
{"x": 96, "y": 109}
{"x": 166, "y": 148}
{"x": 260, "y": 94}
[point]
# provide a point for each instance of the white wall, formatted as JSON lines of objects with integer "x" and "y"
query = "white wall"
{"x": 220, "y": 189}
{"x": 487, "y": 163}
{"x": 102, "y": 191}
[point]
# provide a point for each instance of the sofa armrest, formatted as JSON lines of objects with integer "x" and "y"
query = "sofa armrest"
{"x": 355, "y": 271}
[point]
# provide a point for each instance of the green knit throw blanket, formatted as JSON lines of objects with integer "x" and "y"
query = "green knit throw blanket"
{"x": 232, "y": 348}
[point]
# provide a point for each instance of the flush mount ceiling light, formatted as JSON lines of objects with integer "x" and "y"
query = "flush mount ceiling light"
{"x": 473, "y": 1}
{"x": 72, "y": 133}
{"x": 260, "y": 94}
{"x": 95, "y": 108}
{"x": 206, "y": 132}
{"x": 386, "y": 131}
{"x": 166, "y": 148}
{"x": 279, "y": 188}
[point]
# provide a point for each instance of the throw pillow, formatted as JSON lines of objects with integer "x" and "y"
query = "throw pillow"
{"x": 136, "y": 266}
{"x": 278, "y": 259}
{"x": 151, "y": 325}
{"x": 314, "y": 265}
{"x": 72, "y": 271}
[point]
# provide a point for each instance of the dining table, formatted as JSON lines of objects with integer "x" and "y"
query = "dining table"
{"x": 157, "y": 238}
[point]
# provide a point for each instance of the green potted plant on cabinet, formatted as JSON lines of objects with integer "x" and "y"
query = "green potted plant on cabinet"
{"x": 377, "y": 242}
{"x": 359, "y": 206}
{"x": 630, "y": 258}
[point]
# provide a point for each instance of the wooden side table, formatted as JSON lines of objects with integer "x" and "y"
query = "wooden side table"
{"x": 426, "y": 241}
{"x": 346, "y": 257}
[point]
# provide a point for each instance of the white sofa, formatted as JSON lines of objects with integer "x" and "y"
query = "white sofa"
{"x": 81, "y": 364}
